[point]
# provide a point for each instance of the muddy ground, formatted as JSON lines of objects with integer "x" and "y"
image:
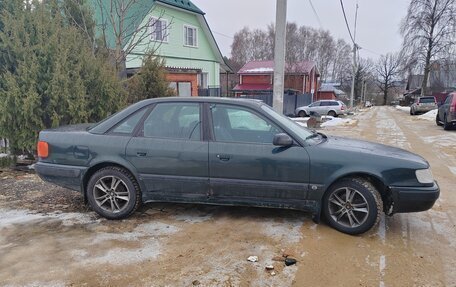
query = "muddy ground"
{"x": 48, "y": 237}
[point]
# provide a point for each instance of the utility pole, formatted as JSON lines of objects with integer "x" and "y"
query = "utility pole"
{"x": 279, "y": 55}
{"x": 355, "y": 64}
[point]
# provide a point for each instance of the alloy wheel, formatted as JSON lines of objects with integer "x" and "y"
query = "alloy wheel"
{"x": 348, "y": 207}
{"x": 111, "y": 194}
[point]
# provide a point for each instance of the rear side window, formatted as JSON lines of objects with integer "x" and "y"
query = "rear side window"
{"x": 173, "y": 120}
{"x": 448, "y": 99}
{"x": 334, "y": 103}
{"x": 427, "y": 100}
{"x": 127, "y": 126}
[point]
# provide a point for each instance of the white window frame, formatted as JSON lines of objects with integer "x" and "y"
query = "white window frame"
{"x": 196, "y": 36}
{"x": 165, "y": 35}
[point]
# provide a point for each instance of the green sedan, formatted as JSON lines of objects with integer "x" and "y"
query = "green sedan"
{"x": 232, "y": 152}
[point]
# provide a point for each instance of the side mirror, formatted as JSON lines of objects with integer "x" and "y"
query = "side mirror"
{"x": 282, "y": 139}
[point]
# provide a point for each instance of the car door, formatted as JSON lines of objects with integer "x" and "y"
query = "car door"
{"x": 244, "y": 165}
{"x": 314, "y": 107}
{"x": 325, "y": 106}
{"x": 169, "y": 153}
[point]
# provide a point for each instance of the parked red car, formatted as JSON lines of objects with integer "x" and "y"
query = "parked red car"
{"x": 446, "y": 115}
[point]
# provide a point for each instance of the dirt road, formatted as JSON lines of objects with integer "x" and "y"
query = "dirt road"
{"x": 192, "y": 245}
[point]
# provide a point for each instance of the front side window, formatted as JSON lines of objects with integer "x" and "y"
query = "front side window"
{"x": 173, "y": 120}
{"x": 315, "y": 104}
{"x": 235, "y": 124}
{"x": 159, "y": 30}
{"x": 190, "y": 36}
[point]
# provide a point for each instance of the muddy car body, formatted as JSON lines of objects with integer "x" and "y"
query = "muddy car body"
{"x": 232, "y": 152}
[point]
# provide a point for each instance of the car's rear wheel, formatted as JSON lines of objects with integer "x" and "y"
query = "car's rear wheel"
{"x": 412, "y": 113}
{"x": 437, "y": 120}
{"x": 113, "y": 193}
{"x": 302, "y": 114}
{"x": 352, "y": 206}
{"x": 332, "y": 114}
{"x": 446, "y": 124}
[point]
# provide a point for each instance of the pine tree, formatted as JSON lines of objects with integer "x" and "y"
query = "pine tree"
{"x": 150, "y": 81}
{"x": 49, "y": 75}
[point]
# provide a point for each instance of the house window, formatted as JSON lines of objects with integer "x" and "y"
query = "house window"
{"x": 202, "y": 80}
{"x": 190, "y": 36}
{"x": 159, "y": 30}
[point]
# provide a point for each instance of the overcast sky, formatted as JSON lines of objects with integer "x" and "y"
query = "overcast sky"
{"x": 378, "y": 20}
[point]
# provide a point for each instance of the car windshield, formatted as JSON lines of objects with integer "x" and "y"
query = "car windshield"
{"x": 302, "y": 132}
{"x": 427, "y": 100}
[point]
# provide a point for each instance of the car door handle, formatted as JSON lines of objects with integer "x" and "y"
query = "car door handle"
{"x": 141, "y": 153}
{"x": 223, "y": 157}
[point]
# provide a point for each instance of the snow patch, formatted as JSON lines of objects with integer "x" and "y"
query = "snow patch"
{"x": 452, "y": 169}
{"x": 192, "y": 218}
{"x": 259, "y": 70}
{"x": 429, "y": 116}
{"x": 405, "y": 109}
{"x": 331, "y": 121}
{"x": 147, "y": 234}
{"x": 3, "y": 155}
{"x": 289, "y": 231}
{"x": 12, "y": 217}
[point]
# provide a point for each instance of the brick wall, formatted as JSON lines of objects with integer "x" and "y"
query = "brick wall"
{"x": 185, "y": 77}
{"x": 256, "y": 79}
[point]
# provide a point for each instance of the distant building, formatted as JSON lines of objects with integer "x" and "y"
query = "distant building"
{"x": 257, "y": 77}
{"x": 330, "y": 91}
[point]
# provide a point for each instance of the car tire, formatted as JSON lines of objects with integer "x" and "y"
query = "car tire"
{"x": 446, "y": 124}
{"x": 340, "y": 212}
{"x": 437, "y": 120}
{"x": 411, "y": 112}
{"x": 302, "y": 114}
{"x": 113, "y": 193}
{"x": 332, "y": 114}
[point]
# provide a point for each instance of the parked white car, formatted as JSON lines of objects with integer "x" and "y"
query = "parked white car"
{"x": 325, "y": 107}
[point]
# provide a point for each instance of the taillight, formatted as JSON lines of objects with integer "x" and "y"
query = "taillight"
{"x": 342, "y": 108}
{"x": 43, "y": 149}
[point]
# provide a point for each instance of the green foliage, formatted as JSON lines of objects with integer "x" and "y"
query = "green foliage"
{"x": 149, "y": 82}
{"x": 49, "y": 75}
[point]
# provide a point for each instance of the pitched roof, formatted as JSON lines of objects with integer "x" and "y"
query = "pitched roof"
{"x": 252, "y": 87}
{"x": 267, "y": 67}
{"x": 135, "y": 15}
{"x": 183, "y": 4}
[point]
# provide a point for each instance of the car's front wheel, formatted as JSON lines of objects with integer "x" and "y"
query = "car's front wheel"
{"x": 352, "y": 206}
{"x": 437, "y": 120}
{"x": 302, "y": 114}
{"x": 113, "y": 193}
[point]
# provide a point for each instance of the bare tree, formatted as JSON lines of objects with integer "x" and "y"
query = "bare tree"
{"x": 387, "y": 69}
{"x": 303, "y": 43}
{"x": 428, "y": 31}
{"x": 124, "y": 19}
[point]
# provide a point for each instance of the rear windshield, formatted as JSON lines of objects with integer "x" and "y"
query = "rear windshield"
{"x": 427, "y": 100}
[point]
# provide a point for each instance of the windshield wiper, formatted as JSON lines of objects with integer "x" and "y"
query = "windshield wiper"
{"x": 313, "y": 135}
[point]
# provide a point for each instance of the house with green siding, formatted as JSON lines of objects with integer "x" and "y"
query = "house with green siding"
{"x": 175, "y": 30}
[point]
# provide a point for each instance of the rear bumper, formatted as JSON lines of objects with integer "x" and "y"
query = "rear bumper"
{"x": 414, "y": 199}
{"x": 62, "y": 175}
{"x": 424, "y": 108}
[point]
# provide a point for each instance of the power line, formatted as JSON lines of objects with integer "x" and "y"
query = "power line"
{"x": 221, "y": 34}
{"x": 346, "y": 22}
{"x": 316, "y": 14}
